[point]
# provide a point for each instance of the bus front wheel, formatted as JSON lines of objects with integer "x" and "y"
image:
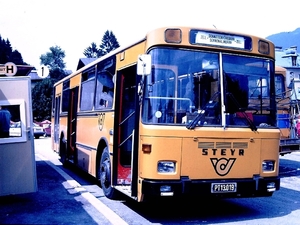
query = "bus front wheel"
{"x": 105, "y": 175}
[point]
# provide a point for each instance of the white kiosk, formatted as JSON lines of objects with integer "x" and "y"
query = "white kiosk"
{"x": 17, "y": 157}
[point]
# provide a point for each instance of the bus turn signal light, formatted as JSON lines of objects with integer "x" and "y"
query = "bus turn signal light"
{"x": 271, "y": 187}
{"x": 173, "y": 36}
{"x": 263, "y": 47}
{"x": 146, "y": 148}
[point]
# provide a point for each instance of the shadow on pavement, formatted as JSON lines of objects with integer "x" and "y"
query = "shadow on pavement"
{"x": 52, "y": 204}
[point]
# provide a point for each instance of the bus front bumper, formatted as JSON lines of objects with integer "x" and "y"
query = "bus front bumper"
{"x": 256, "y": 187}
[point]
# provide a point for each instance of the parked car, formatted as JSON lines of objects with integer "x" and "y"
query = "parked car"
{"x": 46, "y": 124}
{"x": 47, "y": 130}
{"x": 38, "y": 131}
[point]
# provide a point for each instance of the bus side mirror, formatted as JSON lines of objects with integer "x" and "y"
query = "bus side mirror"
{"x": 144, "y": 65}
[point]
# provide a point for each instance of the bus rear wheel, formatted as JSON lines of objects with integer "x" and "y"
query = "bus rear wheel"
{"x": 105, "y": 175}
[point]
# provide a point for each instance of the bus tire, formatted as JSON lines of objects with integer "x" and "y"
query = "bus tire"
{"x": 63, "y": 151}
{"x": 105, "y": 175}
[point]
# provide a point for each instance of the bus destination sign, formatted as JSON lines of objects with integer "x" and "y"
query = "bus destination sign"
{"x": 219, "y": 39}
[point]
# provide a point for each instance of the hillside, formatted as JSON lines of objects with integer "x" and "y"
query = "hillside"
{"x": 286, "y": 39}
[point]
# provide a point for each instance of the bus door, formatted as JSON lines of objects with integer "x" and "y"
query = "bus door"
{"x": 126, "y": 130}
{"x": 56, "y": 121}
{"x": 72, "y": 123}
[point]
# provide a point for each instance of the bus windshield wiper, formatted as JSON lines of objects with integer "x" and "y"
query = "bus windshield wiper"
{"x": 250, "y": 122}
{"x": 201, "y": 114}
{"x": 195, "y": 121}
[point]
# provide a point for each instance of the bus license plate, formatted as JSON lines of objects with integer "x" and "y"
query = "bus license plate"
{"x": 223, "y": 187}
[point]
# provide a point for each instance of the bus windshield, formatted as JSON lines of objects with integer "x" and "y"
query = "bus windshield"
{"x": 185, "y": 87}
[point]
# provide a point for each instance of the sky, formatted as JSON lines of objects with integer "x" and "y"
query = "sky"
{"x": 33, "y": 26}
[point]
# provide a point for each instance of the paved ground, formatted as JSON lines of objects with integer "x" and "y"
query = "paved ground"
{"x": 59, "y": 200}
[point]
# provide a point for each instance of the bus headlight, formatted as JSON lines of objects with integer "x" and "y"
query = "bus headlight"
{"x": 166, "y": 167}
{"x": 268, "y": 165}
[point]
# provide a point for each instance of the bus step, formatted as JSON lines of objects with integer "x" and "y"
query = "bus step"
{"x": 124, "y": 189}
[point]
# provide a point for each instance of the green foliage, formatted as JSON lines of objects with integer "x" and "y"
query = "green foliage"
{"x": 109, "y": 43}
{"x": 42, "y": 99}
{"x": 91, "y": 51}
{"x": 42, "y": 93}
{"x": 54, "y": 59}
{"x": 16, "y": 58}
{"x": 57, "y": 74}
{"x": 9, "y": 55}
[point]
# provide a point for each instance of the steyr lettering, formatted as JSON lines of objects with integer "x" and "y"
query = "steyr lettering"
{"x": 223, "y": 151}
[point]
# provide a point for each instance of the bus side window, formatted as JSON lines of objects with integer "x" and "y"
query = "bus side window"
{"x": 87, "y": 90}
{"x": 279, "y": 86}
{"x": 66, "y": 96}
{"x": 104, "y": 91}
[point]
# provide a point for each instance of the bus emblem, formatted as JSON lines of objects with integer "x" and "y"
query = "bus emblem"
{"x": 222, "y": 166}
{"x": 101, "y": 117}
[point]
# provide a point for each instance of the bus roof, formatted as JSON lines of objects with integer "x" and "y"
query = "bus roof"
{"x": 280, "y": 69}
{"x": 152, "y": 37}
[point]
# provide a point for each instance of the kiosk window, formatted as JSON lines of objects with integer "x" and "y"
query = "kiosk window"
{"x": 12, "y": 122}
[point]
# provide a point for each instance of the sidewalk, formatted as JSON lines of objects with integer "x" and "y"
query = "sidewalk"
{"x": 58, "y": 201}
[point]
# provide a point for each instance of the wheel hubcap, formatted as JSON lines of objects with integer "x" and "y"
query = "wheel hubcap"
{"x": 105, "y": 174}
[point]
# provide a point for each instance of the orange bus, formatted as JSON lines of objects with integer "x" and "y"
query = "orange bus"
{"x": 182, "y": 112}
{"x": 283, "y": 102}
{"x": 287, "y": 112}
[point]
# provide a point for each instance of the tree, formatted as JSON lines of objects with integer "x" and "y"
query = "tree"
{"x": 91, "y": 51}
{"x": 16, "y": 58}
{"x": 54, "y": 59}
{"x": 5, "y": 50}
{"x": 9, "y": 55}
{"x": 109, "y": 43}
{"x": 42, "y": 99}
{"x": 55, "y": 62}
{"x": 42, "y": 93}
